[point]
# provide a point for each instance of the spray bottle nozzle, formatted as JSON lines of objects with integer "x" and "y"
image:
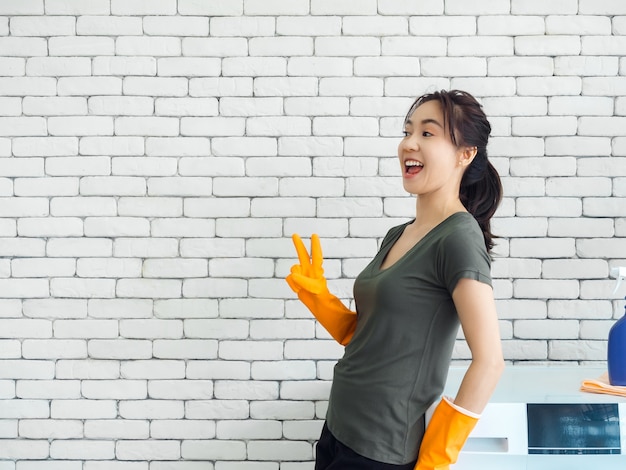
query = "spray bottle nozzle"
{"x": 620, "y": 274}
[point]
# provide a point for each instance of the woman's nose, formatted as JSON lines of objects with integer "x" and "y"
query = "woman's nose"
{"x": 410, "y": 142}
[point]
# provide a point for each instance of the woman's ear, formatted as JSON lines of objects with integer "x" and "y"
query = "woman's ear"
{"x": 467, "y": 155}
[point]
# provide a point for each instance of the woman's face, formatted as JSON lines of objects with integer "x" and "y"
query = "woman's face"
{"x": 431, "y": 164}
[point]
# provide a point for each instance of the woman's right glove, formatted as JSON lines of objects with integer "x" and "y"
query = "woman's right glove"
{"x": 307, "y": 280}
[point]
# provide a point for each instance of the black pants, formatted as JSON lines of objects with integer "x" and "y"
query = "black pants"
{"x": 333, "y": 455}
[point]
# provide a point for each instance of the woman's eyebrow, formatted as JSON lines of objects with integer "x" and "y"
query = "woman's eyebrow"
{"x": 424, "y": 122}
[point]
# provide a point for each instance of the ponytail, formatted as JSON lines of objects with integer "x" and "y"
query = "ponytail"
{"x": 481, "y": 193}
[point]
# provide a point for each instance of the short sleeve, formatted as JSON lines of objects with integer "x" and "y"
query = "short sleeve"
{"x": 463, "y": 255}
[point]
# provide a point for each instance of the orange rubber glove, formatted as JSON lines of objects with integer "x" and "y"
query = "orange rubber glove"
{"x": 307, "y": 280}
{"x": 445, "y": 435}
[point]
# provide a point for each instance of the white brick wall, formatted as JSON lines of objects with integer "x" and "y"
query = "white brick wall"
{"x": 157, "y": 156}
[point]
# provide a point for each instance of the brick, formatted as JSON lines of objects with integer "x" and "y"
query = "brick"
{"x": 80, "y": 126}
{"x": 11, "y": 106}
{"x": 246, "y": 228}
{"x": 186, "y": 308}
{"x": 23, "y": 47}
{"x": 542, "y": 247}
{"x": 116, "y": 429}
{"x": 120, "y": 308}
{"x": 215, "y": 8}
{"x": 606, "y": 86}
{"x": 601, "y": 248}
{"x": 350, "y": 86}
{"x": 515, "y": 106}
{"x": 186, "y": 107}
{"x": 578, "y": 187}
{"x": 286, "y": 450}
{"x": 147, "y": 126}
{"x": 139, "y": 7}
{"x": 75, "y": 166}
{"x": 54, "y": 349}
{"x": 254, "y": 66}
{"x": 546, "y": 289}
{"x": 249, "y": 429}
{"x": 182, "y": 228}
{"x": 76, "y": 7}
{"x": 70, "y": 46}
{"x": 116, "y": 227}
{"x": 577, "y": 350}
{"x": 183, "y": 429}
{"x": 284, "y": 409}
{"x": 213, "y": 450}
{"x": 50, "y": 429}
{"x": 150, "y": 207}
{"x": 22, "y": 126}
{"x": 16, "y": 449}
{"x": 480, "y": 46}
{"x": 85, "y": 328}
{"x": 577, "y": 146}
{"x": 41, "y": 267}
{"x": 278, "y": 166}
{"x": 223, "y": 126}
{"x": 520, "y": 226}
{"x": 148, "y": 288}
{"x": 580, "y": 227}
{"x": 112, "y": 146}
{"x": 579, "y": 309}
{"x": 343, "y": 7}
{"x": 320, "y": 66}
{"x": 521, "y": 67}
{"x": 281, "y": 46}
{"x": 538, "y": 166}
{"x": 156, "y": 86}
{"x": 447, "y": 25}
{"x": 55, "y": 308}
{"x": 42, "y": 26}
{"x": 79, "y": 449}
{"x": 278, "y": 126}
{"x": 120, "y": 105}
{"x": 235, "y": 370}
{"x": 108, "y": 25}
{"x": 127, "y": 66}
{"x": 76, "y": 247}
{"x": 308, "y": 25}
{"x": 400, "y": 66}
{"x": 185, "y": 349}
{"x": 575, "y": 269}
{"x": 586, "y": 65}
{"x": 150, "y": 328}
{"x": 45, "y": 187}
{"x": 240, "y": 146}
{"x": 374, "y": 26}
{"x": 509, "y": 25}
{"x": 148, "y": 46}
{"x": 211, "y": 248}
{"x": 175, "y": 26}
{"x": 546, "y": 329}
{"x": 115, "y": 268}
{"x": 547, "y": 45}
{"x": 421, "y": 46}
{"x": 82, "y": 288}
{"x": 27, "y": 7}
{"x": 545, "y": 125}
{"x": 146, "y": 166}
{"x": 604, "y": 207}
{"x": 601, "y": 166}
{"x": 601, "y": 126}
{"x": 119, "y": 349}
{"x": 276, "y": 7}
{"x": 153, "y": 369}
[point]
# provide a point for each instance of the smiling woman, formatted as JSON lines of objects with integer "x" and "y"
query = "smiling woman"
{"x": 430, "y": 275}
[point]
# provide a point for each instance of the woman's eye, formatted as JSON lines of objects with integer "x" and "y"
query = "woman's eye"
{"x": 426, "y": 134}
{"x": 406, "y": 133}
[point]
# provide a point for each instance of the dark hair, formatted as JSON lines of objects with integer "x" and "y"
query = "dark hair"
{"x": 465, "y": 120}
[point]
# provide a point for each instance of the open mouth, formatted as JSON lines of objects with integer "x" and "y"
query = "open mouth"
{"x": 412, "y": 167}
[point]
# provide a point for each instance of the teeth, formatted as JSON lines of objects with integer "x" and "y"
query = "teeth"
{"x": 413, "y": 163}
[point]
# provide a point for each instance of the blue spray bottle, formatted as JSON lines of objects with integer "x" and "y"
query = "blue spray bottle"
{"x": 616, "y": 354}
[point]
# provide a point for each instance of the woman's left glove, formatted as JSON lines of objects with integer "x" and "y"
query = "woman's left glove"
{"x": 445, "y": 435}
{"x": 308, "y": 281}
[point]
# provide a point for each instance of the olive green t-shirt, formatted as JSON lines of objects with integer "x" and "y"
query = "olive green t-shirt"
{"x": 396, "y": 364}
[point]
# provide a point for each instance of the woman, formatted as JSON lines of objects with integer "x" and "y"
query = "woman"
{"x": 430, "y": 275}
